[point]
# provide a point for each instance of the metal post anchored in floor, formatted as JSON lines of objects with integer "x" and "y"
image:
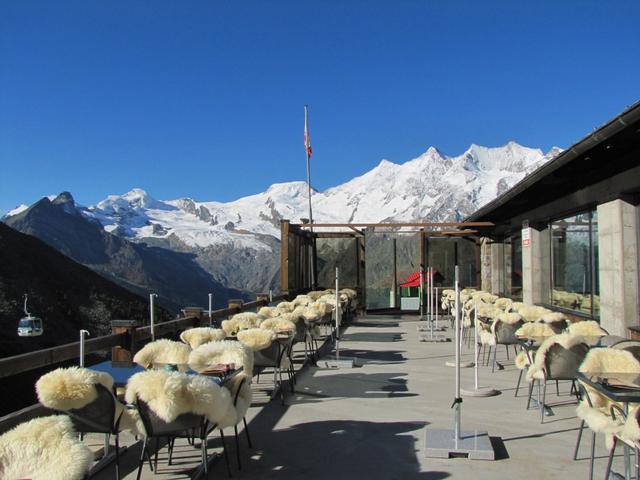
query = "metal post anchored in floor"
{"x": 336, "y": 361}
{"x": 477, "y": 391}
{"x": 422, "y": 329}
{"x": 456, "y": 443}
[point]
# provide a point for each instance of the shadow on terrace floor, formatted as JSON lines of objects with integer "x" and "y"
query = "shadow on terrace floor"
{"x": 334, "y": 449}
{"x": 351, "y": 385}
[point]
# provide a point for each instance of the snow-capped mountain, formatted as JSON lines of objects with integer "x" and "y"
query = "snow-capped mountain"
{"x": 237, "y": 242}
{"x": 431, "y": 187}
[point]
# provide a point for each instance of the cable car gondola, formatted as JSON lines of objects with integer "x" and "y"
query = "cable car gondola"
{"x": 29, "y": 326}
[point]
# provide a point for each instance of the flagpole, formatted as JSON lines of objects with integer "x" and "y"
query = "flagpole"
{"x": 307, "y": 142}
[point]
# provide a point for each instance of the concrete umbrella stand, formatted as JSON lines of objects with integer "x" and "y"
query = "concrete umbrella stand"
{"x": 474, "y": 444}
{"x": 478, "y": 391}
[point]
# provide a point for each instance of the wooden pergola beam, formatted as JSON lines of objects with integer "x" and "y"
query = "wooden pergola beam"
{"x": 344, "y": 234}
{"x": 396, "y": 225}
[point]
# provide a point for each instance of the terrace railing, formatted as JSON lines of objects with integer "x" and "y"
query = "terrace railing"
{"x": 126, "y": 337}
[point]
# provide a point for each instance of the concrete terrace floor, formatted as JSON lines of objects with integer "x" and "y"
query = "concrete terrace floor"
{"x": 369, "y": 421}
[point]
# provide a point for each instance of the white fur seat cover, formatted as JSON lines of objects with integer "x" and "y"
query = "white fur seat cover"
{"x": 553, "y": 317}
{"x": 256, "y": 338}
{"x": 225, "y": 351}
{"x": 194, "y": 337}
{"x": 279, "y": 324}
{"x": 503, "y": 303}
{"x": 229, "y": 352}
{"x": 597, "y": 414}
{"x": 535, "y": 329}
{"x": 163, "y": 351}
{"x": 75, "y": 387}
{"x": 532, "y": 313}
{"x": 587, "y": 328}
{"x": 45, "y": 448}
{"x": 170, "y": 394}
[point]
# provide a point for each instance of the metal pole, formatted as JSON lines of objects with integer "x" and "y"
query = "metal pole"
{"x": 428, "y": 297}
{"x": 433, "y": 303}
{"x": 210, "y": 306}
{"x": 457, "y": 341}
{"x": 337, "y": 318}
{"x": 82, "y": 335}
{"x": 437, "y": 305}
{"x": 307, "y": 149}
{"x": 152, "y": 315}
{"x": 421, "y": 292}
{"x": 475, "y": 339}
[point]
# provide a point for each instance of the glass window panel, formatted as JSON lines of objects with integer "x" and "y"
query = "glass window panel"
{"x": 390, "y": 259}
{"x": 341, "y": 253}
{"x": 574, "y": 256}
{"x": 513, "y": 267}
{"x": 441, "y": 256}
{"x": 379, "y": 270}
{"x": 467, "y": 262}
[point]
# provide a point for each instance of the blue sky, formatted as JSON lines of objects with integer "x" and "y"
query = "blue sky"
{"x": 205, "y": 98}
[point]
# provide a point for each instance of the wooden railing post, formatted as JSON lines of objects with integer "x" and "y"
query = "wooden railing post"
{"x": 262, "y": 297}
{"x": 124, "y": 353}
{"x": 196, "y": 312}
{"x": 236, "y": 303}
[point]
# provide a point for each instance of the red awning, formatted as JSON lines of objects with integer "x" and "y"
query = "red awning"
{"x": 413, "y": 280}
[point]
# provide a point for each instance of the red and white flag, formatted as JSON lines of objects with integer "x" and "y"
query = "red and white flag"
{"x": 307, "y": 139}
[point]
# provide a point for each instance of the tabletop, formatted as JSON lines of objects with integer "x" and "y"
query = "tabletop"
{"x": 620, "y": 387}
{"x": 122, "y": 371}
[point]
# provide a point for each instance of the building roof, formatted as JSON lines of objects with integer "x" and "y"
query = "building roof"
{"x": 607, "y": 153}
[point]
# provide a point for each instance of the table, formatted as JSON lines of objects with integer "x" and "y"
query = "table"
{"x": 122, "y": 371}
{"x": 604, "y": 383}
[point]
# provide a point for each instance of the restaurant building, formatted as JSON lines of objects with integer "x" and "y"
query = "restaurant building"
{"x": 567, "y": 235}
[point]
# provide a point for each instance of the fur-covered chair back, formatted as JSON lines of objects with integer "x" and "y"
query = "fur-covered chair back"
{"x": 87, "y": 395}
{"x": 587, "y": 328}
{"x": 225, "y": 351}
{"x": 503, "y": 303}
{"x": 504, "y": 328}
{"x": 610, "y": 360}
{"x": 535, "y": 329}
{"x": 171, "y": 394}
{"x": 556, "y": 320}
{"x": 46, "y": 448}
{"x": 279, "y": 324}
{"x": 163, "y": 351}
{"x": 631, "y": 346}
{"x": 194, "y": 337}
{"x": 532, "y": 313}
{"x": 558, "y": 355}
{"x": 257, "y": 338}
{"x": 563, "y": 363}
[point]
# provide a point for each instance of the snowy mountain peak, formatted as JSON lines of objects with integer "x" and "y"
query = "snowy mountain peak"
{"x": 289, "y": 188}
{"x": 135, "y": 199}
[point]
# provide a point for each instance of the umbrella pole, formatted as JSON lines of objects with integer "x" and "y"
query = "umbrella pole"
{"x": 448, "y": 443}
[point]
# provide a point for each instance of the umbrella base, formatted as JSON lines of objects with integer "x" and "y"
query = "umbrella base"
{"x": 330, "y": 361}
{"x": 462, "y": 364}
{"x": 480, "y": 392}
{"x": 425, "y": 337}
{"x": 473, "y": 444}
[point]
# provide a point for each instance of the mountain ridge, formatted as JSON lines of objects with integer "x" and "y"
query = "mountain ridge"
{"x": 237, "y": 242}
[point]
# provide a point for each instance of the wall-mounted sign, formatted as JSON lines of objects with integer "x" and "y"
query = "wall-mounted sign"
{"x": 526, "y": 237}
